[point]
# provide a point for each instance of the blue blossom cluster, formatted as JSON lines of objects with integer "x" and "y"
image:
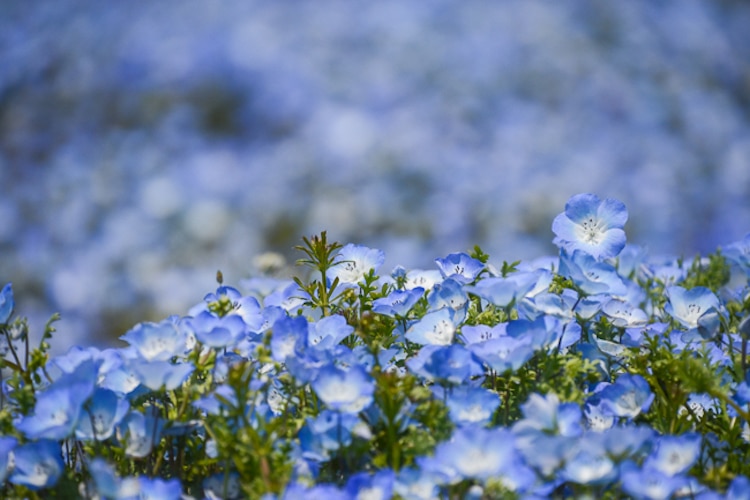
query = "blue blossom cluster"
{"x": 597, "y": 373}
{"x": 143, "y": 147}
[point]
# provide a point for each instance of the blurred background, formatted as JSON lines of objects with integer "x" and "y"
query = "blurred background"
{"x": 144, "y": 145}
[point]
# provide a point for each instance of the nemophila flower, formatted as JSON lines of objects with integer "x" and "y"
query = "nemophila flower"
{"x": 625, "y": 441}
{"x": 58, "y": 408}
{"x": 591, "y": 225}
{"x": 586, "y": 462}
{"x": 217, "y": 332}
{"x": 6, "y": 303}
{"x": 647, "y": 483}
{"x": 695, "y": 309}
{"x": 628, "y": 397}
{"x": 7, "y": 444}
{"x": 37, "y": 464}
{"x": 289, "y": 297}
{"x": 503, "y": 353}
{"x": 471, "y": 334}
{"x": 477, "y": 453}
{"x": 468, "y": 405}
{"x": 623, "y": 314}
{"x": 328, "y": 331}
{"x": 674, "y": 454}
{"x": 101, "y": 414}
{"x": 222, "y": 486}
{"x": 597, "y": 418}
{"x": 416, "y": 484}
{"x": 497, "y": 291}
{"x": 739, "y": 489}
{"x": 398, "y": 302}
{"x": 156, "y": 341}
{"x": 107, "y": 484}
{"x": 420, "y": 278}
{"x": 364, "y": 486}
{"x": 353, "y": 262}
{"x": 590, "y": 275}
{"x": 161, "y": 374}
{"x": 545, "y": 453}
{"x": 329, "y": 431}
{"x": 449, "y": 294}
{"x": 289, "y": 336}
{"x": 348, "y": 391}
{"x": 451, "y": 364}
{"x": 739, "y": 253}
{"x": 139, "y": 433}
{"x": 460, "y": 267}
{"x": 546, "y": 413}
{"x": 550, "y": 304}
{"x": 434, "y": 328}
{"x": 159, "y": 489}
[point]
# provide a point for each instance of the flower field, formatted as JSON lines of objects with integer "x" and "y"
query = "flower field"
{"x": 599, "y": 373}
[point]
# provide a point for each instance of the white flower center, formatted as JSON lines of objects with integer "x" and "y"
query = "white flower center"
{"x": 591, "y": 231}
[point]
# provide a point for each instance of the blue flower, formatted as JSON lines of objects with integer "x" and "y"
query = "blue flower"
{"x": 398, "y": 302}
{"x": 328, "y": 331}
{"x": 7, "y": 444}
{"x": 586, "y": 462}
{"x": 547, "y": 414}
{"x": 157, "y": 341}
{"x": 161, "y": 374}
{"x": 378, "y": 486}
{"x": 58, "y": 408}
{"x": 628, "y": 397}
{"x": 675, "y": 454}
{"x": 648, "y": 483}
{"x": 451, "y": 364}
{"x": 6, "y": 303}
{"x": 475, "y": 452}
{"x": 101, "y": 414}
{"x": 739, "y": 253}
{"x": 591, "y": 225}
{"x": 590, "y": 275}
{"x": 449, "y": 294}
{"x": 37, "y": 465}
{"x": 469, "y": 405}
{"x": 436, "y": 328}
{"x": 348, "y": 391}
{"x": 460, "y": 267}
{"x": 139, "y": 433}
{"x": 472, "y": 334}
{"x": 289, "y": 336}
{"x": 354, "y": 262}
{"x": 218, "y": 332}
{"x": 696, "y": 309}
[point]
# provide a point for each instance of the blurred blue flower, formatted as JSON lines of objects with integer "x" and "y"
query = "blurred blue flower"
{"x": 476, "y": 452}
{"x": 739, "y": 253}
{"x": 6, "y": 303}
{"x": 7, "y": 444}
{"x": 222, "y": 486}
{"x": 364, "y": 486}
{"x": 460, "y": 267}
{"x": 628, "y": 397}
{"x": 469, "y": 405}
{"x": 587, "y": 462}
{"x": 139, "y": 433}
{"x": 353, "y": 262}
{"x": 288, "y": 337}
{"x": 348, "y": 391}
{"x": 101, "y": 414}
{"x": 58, "y": 408}
{"x": 450, "y": 364}
{"x": 328, "y": 331}
{"x": 157, "y": 375}
{"x": 591, "y": 225}
{"x": 547, "y": 414}
{"x": 674, "y": 455}
{"x": 647, "y": 483}
{"x": 37, "y": 465}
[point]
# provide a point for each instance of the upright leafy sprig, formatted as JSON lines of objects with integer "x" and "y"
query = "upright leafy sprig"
{"x": 321, "y": 256}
